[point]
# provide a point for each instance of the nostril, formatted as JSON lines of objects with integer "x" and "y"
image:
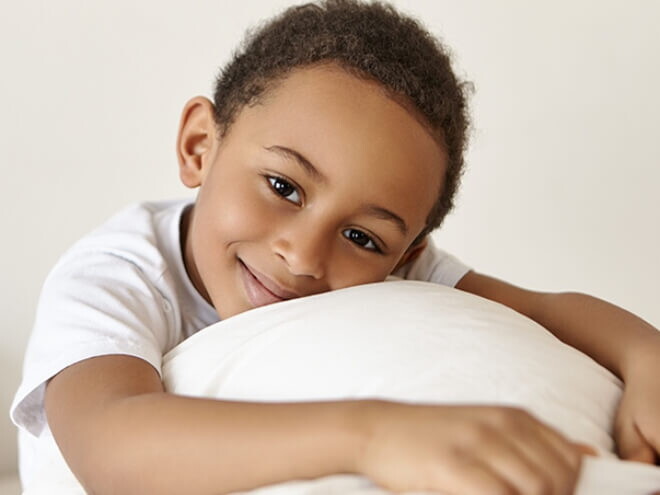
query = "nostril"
{"x": 303, "y": 258}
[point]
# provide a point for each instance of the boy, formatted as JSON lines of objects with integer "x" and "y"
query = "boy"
{"x": 333, "y": 147}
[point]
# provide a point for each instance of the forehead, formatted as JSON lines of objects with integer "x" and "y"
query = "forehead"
{"x": 354, "y": 133}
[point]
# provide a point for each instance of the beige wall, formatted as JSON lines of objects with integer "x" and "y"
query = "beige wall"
{"x": 564, "y": 167}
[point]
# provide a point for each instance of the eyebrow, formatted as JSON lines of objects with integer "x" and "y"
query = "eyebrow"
{"x": 369, "y": 209}
{"x": 385, "y": 214}
{"x": 304, "y": 163}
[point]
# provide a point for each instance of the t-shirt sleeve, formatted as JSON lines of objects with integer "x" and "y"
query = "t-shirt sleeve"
{"x": 434, "y": 265}
{"x": 91, "y": 304}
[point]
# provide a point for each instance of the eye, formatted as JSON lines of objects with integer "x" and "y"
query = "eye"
{"x": 284, "y": 188}
{"x": 361, "y": 239}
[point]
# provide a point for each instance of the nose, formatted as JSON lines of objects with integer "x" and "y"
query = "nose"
{"x": 304, "y": 250}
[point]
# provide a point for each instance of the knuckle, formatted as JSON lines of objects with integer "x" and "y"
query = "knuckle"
{"x": 521, "y": 414}
{"x": 498, "y": 415}
{"x": 480, "y": 434}
{"x": 509, "y": 417}
{"x": 473, "y": 434}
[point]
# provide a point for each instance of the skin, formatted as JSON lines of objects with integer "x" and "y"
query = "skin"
{"x": 298, "y": 240}
{"x": 305, "y": 240}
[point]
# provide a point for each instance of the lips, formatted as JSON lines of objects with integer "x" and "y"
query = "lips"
{"x": 260, "y": 289}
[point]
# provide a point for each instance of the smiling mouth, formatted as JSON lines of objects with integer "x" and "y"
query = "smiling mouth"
{"x": 260, "y": 290}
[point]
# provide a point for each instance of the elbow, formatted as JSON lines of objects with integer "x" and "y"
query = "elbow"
{"x": 107, "y": 474}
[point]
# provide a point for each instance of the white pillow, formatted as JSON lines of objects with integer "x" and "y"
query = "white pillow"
{"x": 409, "y": 341}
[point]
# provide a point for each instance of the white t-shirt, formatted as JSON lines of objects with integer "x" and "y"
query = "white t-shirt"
{"x": 123, "y": 289}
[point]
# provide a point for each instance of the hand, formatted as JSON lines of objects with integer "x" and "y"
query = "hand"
{"x": 467, "y": 450}
{"x": 637, "y": 425}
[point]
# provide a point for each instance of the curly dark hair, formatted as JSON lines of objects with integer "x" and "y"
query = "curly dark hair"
{"x": 372, "y": 41}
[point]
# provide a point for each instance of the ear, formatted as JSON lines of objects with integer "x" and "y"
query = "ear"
{"x": 196, "y": 141}
{"x": 411, "y": 254}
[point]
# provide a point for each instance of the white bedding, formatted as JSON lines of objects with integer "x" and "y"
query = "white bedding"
{"x": 415, "y": 342}
{"x": 408, "y": 341}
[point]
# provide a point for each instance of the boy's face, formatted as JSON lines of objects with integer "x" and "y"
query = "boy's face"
{"x": 321, "y": 186}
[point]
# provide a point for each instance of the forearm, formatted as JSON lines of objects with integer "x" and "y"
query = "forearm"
{"x": 612, "y": 336}
{"x": 121, "y": 433}
{"x": 161, "y": 443}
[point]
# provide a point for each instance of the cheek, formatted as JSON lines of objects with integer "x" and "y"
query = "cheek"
{"x": 235, "y": 215}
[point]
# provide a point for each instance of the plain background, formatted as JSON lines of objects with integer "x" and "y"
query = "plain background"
{"x": 560, "y": 193}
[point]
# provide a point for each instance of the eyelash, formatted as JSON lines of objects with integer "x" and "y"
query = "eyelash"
{"x": 273, "y": 179}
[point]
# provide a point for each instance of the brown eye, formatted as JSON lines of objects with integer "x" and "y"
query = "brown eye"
{"x": 284, "y": 188}
{"x": 361, "y": 239}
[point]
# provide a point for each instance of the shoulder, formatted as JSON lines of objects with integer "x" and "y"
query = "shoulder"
{"x": 434, "y": 265}
{"x": 110, "y": 293}
{"x": 115, "y": 289}
{"x": 121, "y": 273}
{"x": 143, "y": 234}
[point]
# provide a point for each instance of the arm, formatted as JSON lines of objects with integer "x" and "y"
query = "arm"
{"x": 610, "y": 335}
{"x": 617, "y": 339}
{"x": 121, "y": 433}
{"x": 126, "y": 435}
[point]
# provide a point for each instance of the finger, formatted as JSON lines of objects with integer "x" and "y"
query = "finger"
{"x": 553, "y": 456}
{"x": 631, "y": 444}
{"x": 527, "y": 471}
{"x": 585, "y": 449}
{"x": 569, "y": 453}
